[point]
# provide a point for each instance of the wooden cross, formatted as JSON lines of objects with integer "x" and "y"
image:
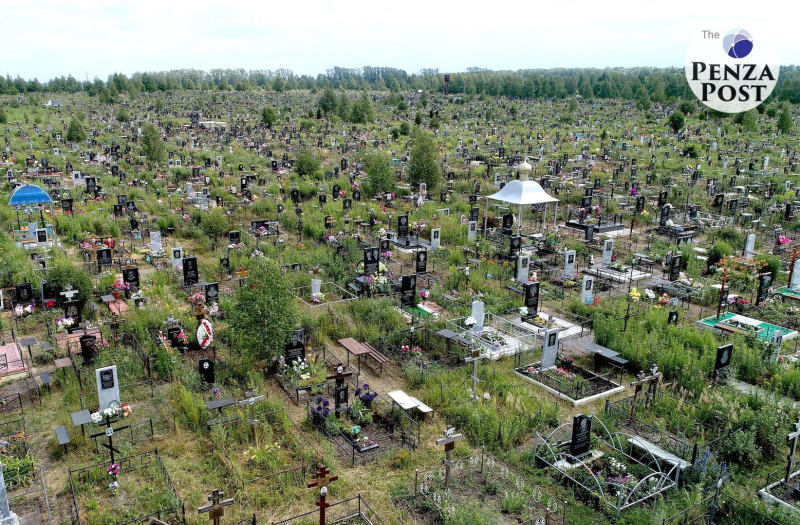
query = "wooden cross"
{"x": 323, "y": 480}
{"x": 792, "y": 438}
{"x": 217, "y": 508}
{"x": 476, "y": 356}
{"x": 449, "y": 442}
{"x": 114, "y": 324}
{"x": 641, "y": 380}
{"x": 340, "y": 376}
{"x": 200, "y": 312}
{"x": 69, "y": 293}
{"x": 723, "y": 281}
{"x": 792, "y": 258}
{"x": 251, "y": 402}
{"x": 109, "y": 433}
{"x": 242, "y": 273}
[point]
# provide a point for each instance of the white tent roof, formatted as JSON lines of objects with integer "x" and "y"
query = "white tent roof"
{"x": 523, "y": 192}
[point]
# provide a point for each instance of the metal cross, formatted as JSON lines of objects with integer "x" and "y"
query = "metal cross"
{"x": 627, "y": 316}
{"x": 792, "y": 258}
{"x": 251, "y": 402}
{"x": 217, "y": 508}
{"x": 449, "y": 442}
{"x": 476, "y": 356}
{"x": 641, "y": 380}
{"x": 109, "y": 433}
{"x": 339, "y": 376}
{"x": 792, "y": 438}
{"x": 116, "y": 320}
{"x": 323, "y": 480}
{"x": 723, "y": 281}
{"x": 69, "y": 293}
{"x": 242, "y": 273}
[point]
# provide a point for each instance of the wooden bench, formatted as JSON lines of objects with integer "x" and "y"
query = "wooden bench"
{"x": 63, "y": 437}
{"x": 46, "y": 378}
{"x": 377, "y": 356}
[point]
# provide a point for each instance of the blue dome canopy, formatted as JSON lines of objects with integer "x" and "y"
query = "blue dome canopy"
{"x": 29, "y": 194}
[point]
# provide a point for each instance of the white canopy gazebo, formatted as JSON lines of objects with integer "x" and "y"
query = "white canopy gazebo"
{"x": 522, "y": 192}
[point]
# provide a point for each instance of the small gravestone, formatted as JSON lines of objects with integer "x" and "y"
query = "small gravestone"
{"x": 472, "y": 229}
{"x": 87, "y": 343}
{"x": 764, "y": 281}
{"x": 130, "y": 276}
{"x": 675, "y": 268}
{"x": 514, "y": 246}
{"x": 523, "y": 268}
{"x": 104, "y": 257}
{"x": 435, "y": 238}
{"x": 408, "y": 290}
{"x": 569, "y": 264}
{"x": 422, "y": 261}
{"x": 107, "y": 386}
{"x": 206, "y": 369}
{"x": 508, "y": 223}
{"x": 371, "y": 261}
{"x": 581, "y": 440}
{"x": 479, "y": 316}
{"x": 177, "y": 257}
{"x": 587, "y": 290}
{"x": 749, "y": 249}
{"x": 672, "y": 318}
{"x": 295, "y": 348}
{"x": 316, "y": 287}
{"x": 211, "y": 293}
{"x": 402, "y": 226}
{"x": 532, "y": 299}
{"x": 234, "y": 237}
{"x": 608, "y": 250}
{"x": 723, "y": 362}
{"x": 24, "y": 293}
{"x": 550, "y": 348}
{"x": 190, "y": 273}
{"x": 794, "y": 283}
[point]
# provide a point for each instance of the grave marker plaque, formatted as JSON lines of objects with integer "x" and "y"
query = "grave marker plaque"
{"x": 569, "y": 264}
{"x": 206, "y": 369}
{"x": 581, "y": 441}
{"x": 532, "y": 298}
{"x": 211, "y": 293}
{"x": 408, "y": 290}
{"x": 422, "y": 261}
{"x": 104, "y": 257}
{"x": 675, "y": 268}
{"x": 190, "y": 273}
{"x": 130, "y": 276}
{"x": 371, "y": 261}
{"x": 723, "y": 361}
{"x": 24, "y": 293}
{"x": 107, "y": 386}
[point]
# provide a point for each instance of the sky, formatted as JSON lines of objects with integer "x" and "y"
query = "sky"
{"x": 95, "y": 38}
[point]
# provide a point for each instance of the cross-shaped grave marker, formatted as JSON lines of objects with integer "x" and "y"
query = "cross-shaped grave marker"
{"x": 722, "y": 291}
{"x": 217, "y": 507}
{"x": 341, "y": 391}
{"x": 114, "y": 323}
{"x": 323, "y": 480}
{"x": 251, "y": 402}
{"x": 242, "y": 273}
{"x": 627, "y": 316}
{"x": 641, "y": 380}
{"x": 449, "y": 442}
{"x": 792, "y": 258}
{"x": 109, "y": 433}
{"x": 69, "y": 293}
{"x": 200, "y": 312}
{"x": 476, "y": 356}
{"x": 792, "y": 438}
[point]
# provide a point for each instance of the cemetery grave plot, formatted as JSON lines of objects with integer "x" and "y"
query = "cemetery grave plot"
{"x": 423, "y": 348}
{"x": 352, "y": 511}
{"x": 328, "y": 293}
{"x": 367, "y": 428}
{"x": 670, "y": 423}
{"x": 730, "y": 322}
{"x": 497, "y": 336}
{"x": 571, "y": 325}
{"x": 565, "y": 379}
{"x": 726, "y": 510}
{"x": 604, "y": 465}
{"x": 144, "y": 490}
{"x": 11, "y": 359}
{"x": 27, "y": 491}
{"x": 308, "y": 376}
{"x": 480, "y": 484}
{"x": 267, "y": 456}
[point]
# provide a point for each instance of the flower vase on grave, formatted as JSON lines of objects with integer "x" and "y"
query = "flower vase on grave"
{"x": 116, "y": 295}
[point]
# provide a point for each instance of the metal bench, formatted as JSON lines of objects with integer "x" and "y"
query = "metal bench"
{"x": 63, "y": 437}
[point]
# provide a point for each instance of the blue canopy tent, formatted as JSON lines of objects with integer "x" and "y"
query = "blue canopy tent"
{"x": 30, "y": 195}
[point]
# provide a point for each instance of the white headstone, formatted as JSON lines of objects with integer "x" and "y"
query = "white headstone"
{"x": 472, "y": 230}
{"x": 608, "y": 249}
{"x": 587, "y": 290}
{"x": 155, "y": 242}
{"x": 436, "y": 238}
{"x": 766, "y": 162}
{"x": 7, "y": 517}
{"x": 478, "y": 315}
{"x": 189, "y": 188}
{"x": 795, "y": 284}
{"x": 550, "y": 348}
{"x": 316, "y": 287}
{"x": 177, "y": 258}
{"x": 523, "y": 267}
{"x": 569, "y": 264}
{"x": 750, "y": 246}
{"x": 107, "y": 386}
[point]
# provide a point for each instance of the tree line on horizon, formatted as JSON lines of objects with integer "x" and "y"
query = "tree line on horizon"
{"x": 642, "y": 84}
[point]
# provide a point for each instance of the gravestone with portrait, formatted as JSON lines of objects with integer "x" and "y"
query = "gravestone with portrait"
{"x": 177, "y": 258}
{"x": 155, "y": 242}
{"x": 722, "y": 362}
{"x": 23, "y": 293}
{"x": 479, "y": 315}
{"x": 295, "y": 348}
{"x": 190, "y": 272}
{"x": 608, "y": 250}
{"x": 211, "y": 291}
{"x": 206, "y": 369}
{"x": 107, "y": 386}
{"x": 472, "y": 230}
{"x": 88, "y": 348}
{"x": 130, "y": 276}
{"x": 587, "y": 289}
{"x": 371, "y": 261}
{"x": 408, "y": 290}
{"x": 550, "y": 348}
{"x": 436, "y": 234}
{"x": 523, "y": 268}
{"x": 422, "y": 261}
{"x": 104, "y": 257}
{"x": 532, "y": 300}
{"x": 581, "y": 438}
{"x": 569, "y": 264}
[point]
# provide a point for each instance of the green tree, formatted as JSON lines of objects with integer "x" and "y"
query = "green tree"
{"x": 214, "y": 224}
{"x": 785, "y": 120}
{"x": 307, "y": 162}
{"x": 749, "y": 120}
{"x": 405, "y": 128}
{"x": 3, "y": 117}
{"x": 423, "y": 99}
{"x": 423, "y": 163}
{"x": 380, "y": 172}
{"x": 343, "y": 107}
{"x": 319, "y": 113}
{"x": 327, "y": 101}
{"x": 363, "y": 112}
{"x": 264, "y": 312}
{"x": 418, "y": 119}
{"x": 686, "y": 107}
{"x": 123, "y": 115}
{"x": 75, "y": 131}
{"x": 395, "y": 133}
{"x": 643, "y": 102}
{"x": 676, "y": 120}
{"x": 153, "y": 145}
{"x": 269, "y": 116}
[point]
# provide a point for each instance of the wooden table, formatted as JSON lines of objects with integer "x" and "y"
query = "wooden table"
{"x": 601, "y": 352}
{"x": 354, "y": 347}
